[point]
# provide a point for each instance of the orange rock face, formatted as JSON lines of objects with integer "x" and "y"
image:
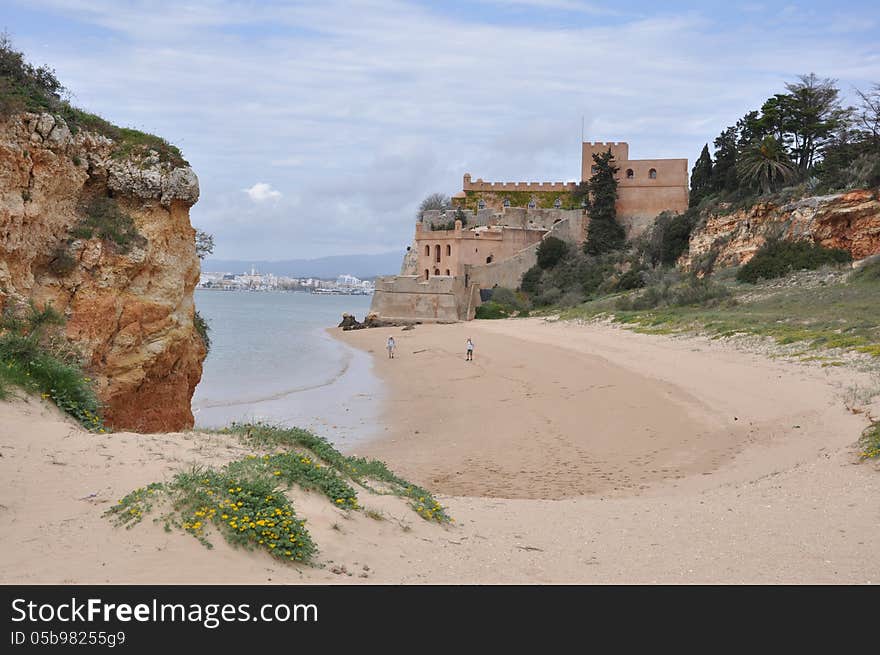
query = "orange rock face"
{"x": 130, "y": 314}
{"x": 850, "y": 221}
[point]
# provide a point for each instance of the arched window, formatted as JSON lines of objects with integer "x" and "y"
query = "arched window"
{"x": 436, "y": 271}
{"x": 652, "y": 173}
{"x": 447, "y": 271}
{"x": 448, "y": 250}
{"x": 427, "y": 274}
{"x": 437, "y": 254}
{"x": 489, "y": 259}
{"x": 427, "y": 251}
{"x": 629, "y": 174}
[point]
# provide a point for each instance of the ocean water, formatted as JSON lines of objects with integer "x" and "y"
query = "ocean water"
{"x": 272, "y": 360}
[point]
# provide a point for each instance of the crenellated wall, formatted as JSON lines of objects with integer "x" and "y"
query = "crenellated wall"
{"x": 646, "y": 187}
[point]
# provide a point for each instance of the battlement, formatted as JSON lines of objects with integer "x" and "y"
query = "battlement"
{"x": 537, "y": 187}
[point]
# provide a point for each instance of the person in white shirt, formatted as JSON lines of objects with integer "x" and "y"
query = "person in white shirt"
{"x": 470, "y": 350}
{"x": 391, "y": 346}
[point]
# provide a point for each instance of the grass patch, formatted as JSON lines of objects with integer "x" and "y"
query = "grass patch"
{"x": 250, "y": 512}
{"x": 869, "y": 443}
{"x": 103, "y": 219}
{"x": 843, "y": 316}
{"x": 35, "y": 357}
{"x": 360, "y": 470}
{"x": 245, "y": 500}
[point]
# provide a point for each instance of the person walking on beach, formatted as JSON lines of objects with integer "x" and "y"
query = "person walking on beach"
{"x": 391, "y": 346}
{"x": 470, "y": 350}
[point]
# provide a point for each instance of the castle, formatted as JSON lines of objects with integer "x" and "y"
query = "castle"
{"x": 492, "y": 236}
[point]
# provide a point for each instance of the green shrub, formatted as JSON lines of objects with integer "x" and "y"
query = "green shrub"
{"x": 870, "y": 441}
{"x": 548, "y": 297}
{"x": 490, "y": 310}
{"x": 670, "y": 237}
{"x": 694, "y": 292}
{"x": 531, "y": 279}
{"x": 32, "y": 358}
{"x": 106, "y": 221}
{"x": 202, "y": 329}
{"x": 62, "y": 262}
{"x": 550, "y": 251}
{"x": 632, "y": 279}
{"x": 777, "y": 258}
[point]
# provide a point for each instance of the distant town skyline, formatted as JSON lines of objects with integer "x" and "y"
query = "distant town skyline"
{"x": 316, "y": 128}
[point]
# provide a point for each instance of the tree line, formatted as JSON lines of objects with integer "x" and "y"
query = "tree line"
{"x": 803, "y": 136}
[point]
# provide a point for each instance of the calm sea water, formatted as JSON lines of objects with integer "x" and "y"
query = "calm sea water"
{"x": 272, "y": 360}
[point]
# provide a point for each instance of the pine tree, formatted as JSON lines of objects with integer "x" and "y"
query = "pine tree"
{"x": 701, "y": 177}
{"x": 724, "y": 174}
{"x": 604, "y": 233}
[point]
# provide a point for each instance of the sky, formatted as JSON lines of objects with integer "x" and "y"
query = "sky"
{"x": 317, "y": 127}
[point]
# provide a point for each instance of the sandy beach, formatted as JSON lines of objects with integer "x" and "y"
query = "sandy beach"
{"x": 566, "y": 454}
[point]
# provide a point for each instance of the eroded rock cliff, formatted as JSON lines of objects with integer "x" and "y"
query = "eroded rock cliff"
{"x": 129, "y": 309}
{"x": 850, "y": 221}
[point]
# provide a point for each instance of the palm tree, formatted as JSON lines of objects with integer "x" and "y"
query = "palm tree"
{"x": 765, "y": 164}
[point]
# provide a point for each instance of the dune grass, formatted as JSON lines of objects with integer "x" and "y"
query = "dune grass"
{"x": 869, "y": 443}
{"x": 245, "y": 500}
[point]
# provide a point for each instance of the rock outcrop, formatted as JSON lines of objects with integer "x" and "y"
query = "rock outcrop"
{"x": 850, "y": 221}
{"x": 129, "y": 310}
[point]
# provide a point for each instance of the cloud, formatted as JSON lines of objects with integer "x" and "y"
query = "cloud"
{"x": 357, "y": 109}
{"x": 261, "y": 192}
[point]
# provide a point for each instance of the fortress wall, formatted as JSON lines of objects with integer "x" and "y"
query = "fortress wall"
{"x": 505, "y": 273}
{"x": 635, "y": 206}
{"x": 535, "y": 218}
{"x": 410, "y": 298}
{"x": 508, "y": 272}
{"x": 410, "y": 264}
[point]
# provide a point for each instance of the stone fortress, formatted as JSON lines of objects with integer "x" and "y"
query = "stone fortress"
{"x": 490, "y": 236}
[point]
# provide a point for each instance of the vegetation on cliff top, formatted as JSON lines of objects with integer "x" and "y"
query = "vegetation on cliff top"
{"x": 245, "y": 500}
{"x": 35, "y": 356}
{"x": 24, "y": 87}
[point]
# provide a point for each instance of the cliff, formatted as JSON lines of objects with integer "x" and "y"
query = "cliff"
{"x": 127, "y": 295}
{"x": 850, "y": 221}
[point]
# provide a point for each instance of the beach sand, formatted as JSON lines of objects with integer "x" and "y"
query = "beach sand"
{"x": 566, "y": 453}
